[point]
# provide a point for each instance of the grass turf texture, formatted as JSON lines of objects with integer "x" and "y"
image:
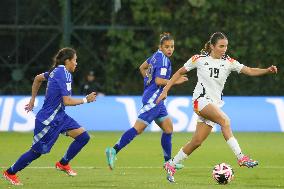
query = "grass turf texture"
{"x": 139, "y": 165}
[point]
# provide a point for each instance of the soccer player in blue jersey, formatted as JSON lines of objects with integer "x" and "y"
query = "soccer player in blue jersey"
{"x": 52, "y": 120}
{"x": 156, "y": 71}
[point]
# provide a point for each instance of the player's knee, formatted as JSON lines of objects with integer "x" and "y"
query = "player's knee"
{"x": 168, "y": 130}
{"x": 225, "y": 122}
{"x": 83, "y": 138}
{"x": 139, "y": 130}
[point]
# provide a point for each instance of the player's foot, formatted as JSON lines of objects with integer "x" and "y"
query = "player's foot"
{"x": 111, "y": 157}
{"x": 66, "y": 168}
{"x": 247, "y": 162}
{"x": 13, "y": 179}
{"x": 178, "y": 166}
{"x": 170, "y": 171}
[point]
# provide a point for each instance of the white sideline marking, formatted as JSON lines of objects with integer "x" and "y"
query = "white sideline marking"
{"x": 145, "y": 167}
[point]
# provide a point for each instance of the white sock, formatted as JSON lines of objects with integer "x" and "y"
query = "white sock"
{"x": 234, "y": 145}
{"x": 179, "y": 157}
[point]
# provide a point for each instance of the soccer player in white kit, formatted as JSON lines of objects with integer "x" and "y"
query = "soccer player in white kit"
{"x": 213, "y": 67}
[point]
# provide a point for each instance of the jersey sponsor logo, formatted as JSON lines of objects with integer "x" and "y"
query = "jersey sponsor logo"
{"x": 206, "y": 64}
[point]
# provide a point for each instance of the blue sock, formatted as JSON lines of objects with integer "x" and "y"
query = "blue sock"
{"x": 23, "y": 161}
{"x": 125, "y": 139}
{"x": 75, "y": 147}
{"x": 166, "y": 142}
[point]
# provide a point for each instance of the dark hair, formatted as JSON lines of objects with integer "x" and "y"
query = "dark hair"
{"x": 62, "y": 55}
{"x": 165, "y": 36}
{"x": 213, "y": 40}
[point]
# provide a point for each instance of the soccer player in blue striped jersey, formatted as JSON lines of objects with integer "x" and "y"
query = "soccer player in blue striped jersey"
{"x": 156, "y": 71}
{"x": 52, "y": 120}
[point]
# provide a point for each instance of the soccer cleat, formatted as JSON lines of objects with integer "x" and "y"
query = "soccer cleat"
{"x": 111, "y": 157}
{"x": 170, "y": 172}
{"x": 13, "y": 179}
{"x": 66, "y": 168}
{"x": 179, "y": 166}
{"x": 247, "y": 162}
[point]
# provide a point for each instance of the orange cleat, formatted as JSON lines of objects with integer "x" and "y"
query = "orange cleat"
{"x": 66, "y": 168}
{"x": 13, "y": 179}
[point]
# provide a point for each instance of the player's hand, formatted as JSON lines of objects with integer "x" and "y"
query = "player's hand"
{"x": 182, "y": 79}
{"x": 162, "y": 96}
{"x": 91, "y": 97}
{"x": 29, "y": 107}
{"x": 272, "y": 69}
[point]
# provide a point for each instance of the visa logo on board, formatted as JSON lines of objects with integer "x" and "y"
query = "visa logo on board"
{"x": 14, "y": 118}
{"x": 13, "y": 114}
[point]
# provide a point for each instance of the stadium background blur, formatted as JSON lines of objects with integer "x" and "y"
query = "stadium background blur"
{"x": 113, "y": 37}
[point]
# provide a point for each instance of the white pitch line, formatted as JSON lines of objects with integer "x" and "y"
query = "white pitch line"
{"x": 143, "y": 167}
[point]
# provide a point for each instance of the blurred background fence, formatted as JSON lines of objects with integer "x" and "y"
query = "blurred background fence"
{"x": 113, "y": 37}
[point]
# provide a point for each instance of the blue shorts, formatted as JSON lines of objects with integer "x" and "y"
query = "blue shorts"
{"x": 46, "y": 135}
{"x": 157, "y": 113}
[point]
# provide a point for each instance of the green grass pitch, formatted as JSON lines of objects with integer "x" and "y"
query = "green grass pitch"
{"x": 139, "y": 165}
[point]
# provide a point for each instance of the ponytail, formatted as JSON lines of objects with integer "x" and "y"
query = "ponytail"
{"x": 62, "y": 55}
{"x": 206, "y": 50}
{"x": 165, "y": 37}
{"x": 212, "y": 41}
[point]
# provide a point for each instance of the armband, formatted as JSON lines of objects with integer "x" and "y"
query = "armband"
{"x": 85, "y": 100}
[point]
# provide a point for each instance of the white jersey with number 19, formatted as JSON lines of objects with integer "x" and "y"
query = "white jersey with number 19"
{"x": 212, "y": 75}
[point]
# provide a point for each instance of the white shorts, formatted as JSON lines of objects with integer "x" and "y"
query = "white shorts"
{"x": 198, "y": 105}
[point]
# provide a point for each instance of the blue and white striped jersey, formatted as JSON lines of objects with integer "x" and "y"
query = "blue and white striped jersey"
{"x": 159, "y": 66}
{"x": 58, "y": 85}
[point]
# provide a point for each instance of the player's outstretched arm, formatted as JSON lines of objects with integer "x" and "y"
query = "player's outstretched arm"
{"x": 164, "y": 82}
{"x": 35, "y": 87}
{"x": 143, "y": 68}
{"x": 174, "y": 80}
{"x": 69, "y": 101}
{"x": 259, "y": 71}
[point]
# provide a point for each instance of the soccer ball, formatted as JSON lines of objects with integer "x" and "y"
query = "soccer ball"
{"x": 223, "y": 173}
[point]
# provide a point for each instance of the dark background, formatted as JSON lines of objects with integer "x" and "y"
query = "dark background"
{"x": 113, "y": 37}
